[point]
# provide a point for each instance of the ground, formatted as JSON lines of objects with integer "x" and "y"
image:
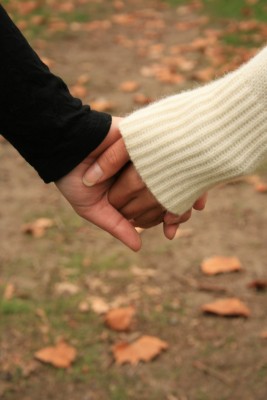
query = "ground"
{"x": 209, "y": 357}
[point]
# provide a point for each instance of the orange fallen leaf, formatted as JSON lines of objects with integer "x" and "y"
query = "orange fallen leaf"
{"x": 98, "y": 304}
{"x": 218, "y": 265}
{"x": 120, "y": 319}
{"x": 183, "y": 233}
{"x": 258, "y": 284}
{"x": 66, "y": 288}
{"x": 263, "y": 334}
{"x": 144, "y": 349}
{"x": 48, "y": 61}
{"x": 26, "y": 7}
{"x": 102, "y": 104}
{"x": 255, "y": 180}
{"x": 140, "y": 98}
{"x": 129, "y": 86}
{"x": 9, "y": 291}
{"x": 231, "y": 307}
{"x": 38, "y": 227}
{"x": 204, "y": 75}
{"x": 61, "y": 355}
{"x": 78, "y": 90}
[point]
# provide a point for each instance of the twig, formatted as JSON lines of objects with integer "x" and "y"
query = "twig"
{"x": 212, "y": 372}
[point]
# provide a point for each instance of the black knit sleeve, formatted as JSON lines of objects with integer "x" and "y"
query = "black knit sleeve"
{"x": 52, "y": 130}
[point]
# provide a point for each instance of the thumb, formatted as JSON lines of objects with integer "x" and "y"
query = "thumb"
{"x": 107, "y": 164}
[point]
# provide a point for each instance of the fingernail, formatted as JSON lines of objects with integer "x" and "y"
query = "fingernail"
{"x": 93, "y": 175}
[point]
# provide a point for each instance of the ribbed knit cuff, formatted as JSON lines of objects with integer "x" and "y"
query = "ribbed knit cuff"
{"x": 187, "y": 143}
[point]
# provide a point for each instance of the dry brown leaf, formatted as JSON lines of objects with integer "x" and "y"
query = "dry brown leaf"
{"x": 258, "y": 284}
{"x": 98, "y": 304}
{"x": 219, "y": 265}
{"x": 48, "y": 61}
{"x": 129, "y": 86}
{"x": 231, "y": 307}
{"x": 144, "y": 349}
{"x": 38, "y": 227}
{"x": 66, "y": 288}
{"x": 204, "y": 75}
{"x": 263, "y": 334}
{"x": 78, "y": 90}
{"x": 183, "y": 233}
{"x": 84, "y": 306}
{"x": 120, "y": 319}
{"x": 255, "y": 180}
{"x": 140, "y": 98}
{"x": 83, "y": 79}
{"x": 26, "y": 7}
{"x": 61, "y": 355}
{"x": 102, "y": 104}
{"x": 9, "y": 291}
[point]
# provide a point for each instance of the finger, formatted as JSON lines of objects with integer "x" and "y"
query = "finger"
{"x": 107, "y": 164}
{"x": 127, "y": 187}
{"x": 170, "y": 218}
{"x": 143, "y": 203}
{"x": 107, "y": 218}
{"x": 170, "y": 230}
{"x": 149, "y": 219}
{"x": 201, "y": 202}
{"x": 185, "y": 217}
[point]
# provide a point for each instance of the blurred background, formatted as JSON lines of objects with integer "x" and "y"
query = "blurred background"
{"x": 67, "y": 285}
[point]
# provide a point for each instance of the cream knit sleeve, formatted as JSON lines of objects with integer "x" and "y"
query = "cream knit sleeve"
{"x": 187, "y": 143}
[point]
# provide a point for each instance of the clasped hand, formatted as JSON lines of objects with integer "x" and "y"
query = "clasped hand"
{"x": 106, "y": 190}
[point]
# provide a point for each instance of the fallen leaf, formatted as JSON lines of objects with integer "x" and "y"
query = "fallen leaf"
{"x": 9, "y": 291}
{"x": 219, "y": 265}
{"x": 255, "y": 180}
{"x": 231, "y": 307}
{"x": 61, "y": 355}
{"x": 204, "y": 75}
{"x": 140, "y": 98}
{"x": 102, "y": 104}
{"x": 78, "y": 90}
{"x": 98, "y": 305}
{"x": 83, "y": 79}
{"x": 48, "y": 61}
{"x": 26, "y": 7}
{"x": 144, "y": 349}
{"x": 66, "y": 288}
{"x": 183, "y": 233}
{"x": 84, "y": 306}
{"x": 263, "y": 334}
{"x": 120, "y": 319}
{"x": 129, "y": 86}
{"x": 258, "y": 284}
{"x": 38, "y": 227}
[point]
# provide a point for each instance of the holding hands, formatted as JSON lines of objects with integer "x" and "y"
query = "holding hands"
{"x": 106, "y": 190}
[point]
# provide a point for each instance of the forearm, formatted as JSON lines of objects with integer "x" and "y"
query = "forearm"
{"x": 185, "y": 144}
{"x": 52, "y": 130}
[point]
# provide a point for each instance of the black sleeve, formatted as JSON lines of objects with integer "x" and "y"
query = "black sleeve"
{"x": 52, "y": 130}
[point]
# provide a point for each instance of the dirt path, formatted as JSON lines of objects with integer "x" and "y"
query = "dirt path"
{"x": 209, "y": 358}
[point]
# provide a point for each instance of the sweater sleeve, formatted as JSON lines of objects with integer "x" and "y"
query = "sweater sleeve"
{"x": 51, "y": 129}
{"x": 185, "y": 144}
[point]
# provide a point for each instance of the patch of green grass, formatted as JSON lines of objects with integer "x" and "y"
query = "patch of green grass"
{"x": 236, "y": 9}
{"x": 15, "y": 306}
{"x": 111, "y": 262}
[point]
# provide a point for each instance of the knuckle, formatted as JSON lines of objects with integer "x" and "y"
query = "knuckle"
{"x": 111, "y": 158}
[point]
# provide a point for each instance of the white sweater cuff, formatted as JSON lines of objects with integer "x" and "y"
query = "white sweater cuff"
{"x": 187, "y": 143}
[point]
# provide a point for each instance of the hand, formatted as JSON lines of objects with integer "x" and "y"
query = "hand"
{"x": 92, "y": 203}
{"x": 130, "y": 195}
